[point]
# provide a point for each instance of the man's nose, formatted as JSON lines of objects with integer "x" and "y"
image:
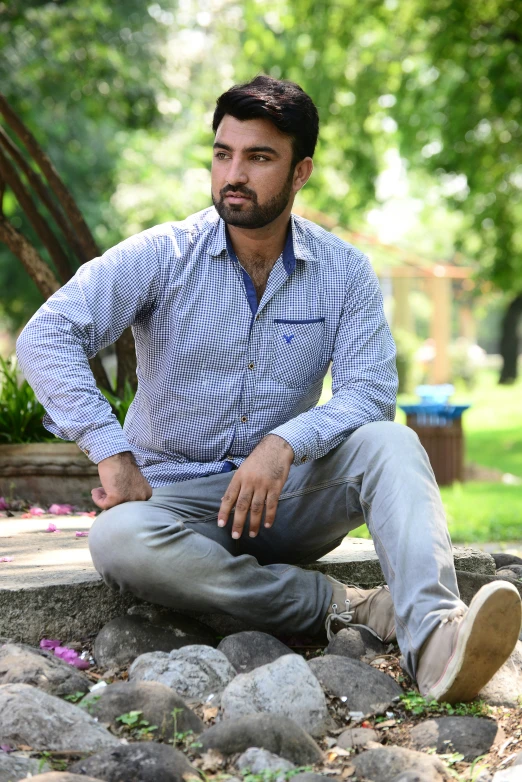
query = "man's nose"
{"x": 237, "y": 174}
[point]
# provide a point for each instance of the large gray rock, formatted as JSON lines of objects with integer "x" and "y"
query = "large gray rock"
{"x": 42, "y": 721}
{"x": 251, "y": 649}
{"x": 513, "y": 571}
{"x": 505, "y": 560}
{"x": 194, "y": 672}
{"x": 470, "y": 736}
{"x": 356, "y": 738}
{"x": 61, "y": 776}
{"x": 385, "y": 763}
{"x": 123, "y": 639}
{"x": 356, "y": 643}
{"x": 273, "y": 732}
{"x": 155, "y": 701}
{"x": 25, "y": 665}
{"x": 511, "y": 774}
{"x": 140, "y": 762}
{"x": 309, "y": 776}
{"x": 470, "y": 583}
{"x": 365, "y": 688}
{"x": 259, "y": 761}
{"x": 505, "y": 688}
{"x": 14, "y": 767}
{"x": 287, "y": 687}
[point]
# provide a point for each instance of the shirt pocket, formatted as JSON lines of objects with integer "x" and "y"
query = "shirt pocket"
{"x": 297, "y": 351}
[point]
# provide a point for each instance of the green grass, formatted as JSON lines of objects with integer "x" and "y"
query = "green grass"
{"x": 479, "y": 512}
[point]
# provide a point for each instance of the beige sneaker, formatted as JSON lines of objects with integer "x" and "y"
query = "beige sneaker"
{"x": 354, "y": 607}
{"x": 470, "y": 645}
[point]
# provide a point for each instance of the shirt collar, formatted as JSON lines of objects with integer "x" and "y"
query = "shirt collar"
{"x": 295, "y": 245}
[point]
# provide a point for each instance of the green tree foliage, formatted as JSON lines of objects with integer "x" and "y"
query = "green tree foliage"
{"x": 459, "y": 111}
{"x": 120, "y": 95}
{"x": 77, "y": 73}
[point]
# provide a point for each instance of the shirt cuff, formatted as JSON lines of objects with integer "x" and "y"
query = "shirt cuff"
{"x": 99, "y": 444}
{"x": 301, "y": 438}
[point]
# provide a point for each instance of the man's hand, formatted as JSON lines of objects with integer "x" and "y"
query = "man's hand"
{"x": 121, "y": 480}
{"x": 256, "y": 486}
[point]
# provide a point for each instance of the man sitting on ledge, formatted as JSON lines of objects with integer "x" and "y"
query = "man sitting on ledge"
{"x": 226, "y": 476}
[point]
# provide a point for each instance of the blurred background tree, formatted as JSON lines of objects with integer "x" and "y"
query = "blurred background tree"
{"x": 416, "y": 99}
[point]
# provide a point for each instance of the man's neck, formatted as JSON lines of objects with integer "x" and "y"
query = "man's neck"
{"x": 262, "y": 244}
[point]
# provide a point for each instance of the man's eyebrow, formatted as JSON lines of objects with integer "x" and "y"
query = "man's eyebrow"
{"x": 270, "y": 150}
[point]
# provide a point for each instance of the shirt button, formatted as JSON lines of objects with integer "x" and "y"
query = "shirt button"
{"x": 251, "y": 365}
{"x": 86, "y": 451}
{"x": 244, "y": 419}
{"x": 304, "y": 459}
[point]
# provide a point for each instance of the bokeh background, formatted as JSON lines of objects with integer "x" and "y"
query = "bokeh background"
{"x": 419, "y": 163}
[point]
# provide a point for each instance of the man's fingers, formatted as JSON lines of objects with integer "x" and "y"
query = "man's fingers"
{"x": 227, "y": 501}
{"x": 257, "y": 507}
{"x": 240, "y": 512}
{"x": 100, "y": 498}
{"x": 271, "y": 508}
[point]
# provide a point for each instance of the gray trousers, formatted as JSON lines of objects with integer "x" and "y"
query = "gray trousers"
{"x": 170, "y": 551}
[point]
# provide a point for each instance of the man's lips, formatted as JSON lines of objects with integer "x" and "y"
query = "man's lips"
{"x": 237, "y": 197}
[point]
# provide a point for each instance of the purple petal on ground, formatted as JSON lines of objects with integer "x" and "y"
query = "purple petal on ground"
{"x": 6, "y": 559}
{"x": 35, "y": 511}
{"x": 52, "y": 528}
{"x": 81, "y": 534}
{"x": 49, "y": 643}
{"x": 3, "y": 504}
{"x": 64, "y": 653}
{"x": 6, "y": 748}
{"x": 60, "y": 510}
{"x": 81, "y": 664}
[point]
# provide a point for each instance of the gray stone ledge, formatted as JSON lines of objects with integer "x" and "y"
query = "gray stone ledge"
{"x": 52, "y": 590}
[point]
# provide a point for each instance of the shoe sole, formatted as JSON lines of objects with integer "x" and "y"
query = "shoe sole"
{"x": 486, "y": 638}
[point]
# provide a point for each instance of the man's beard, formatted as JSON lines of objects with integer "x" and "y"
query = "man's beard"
{"x": 253, "y": 216}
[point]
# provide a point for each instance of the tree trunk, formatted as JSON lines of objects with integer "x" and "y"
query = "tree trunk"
{"x": 509, "y": 342}
{"x": 71, "y": 222}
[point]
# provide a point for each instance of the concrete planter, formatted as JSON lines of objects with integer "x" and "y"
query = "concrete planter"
{"x": 47, "y": 472}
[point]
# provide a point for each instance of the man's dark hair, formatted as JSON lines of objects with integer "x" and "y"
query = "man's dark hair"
{"x": 284, "y": 103}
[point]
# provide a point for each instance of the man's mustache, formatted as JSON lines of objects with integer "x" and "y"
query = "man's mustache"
{"x": 240, "y": 189}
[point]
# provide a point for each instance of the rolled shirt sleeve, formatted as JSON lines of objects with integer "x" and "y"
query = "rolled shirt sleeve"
{"x": 364, "y": 375}
{"x": 104, "y": 297}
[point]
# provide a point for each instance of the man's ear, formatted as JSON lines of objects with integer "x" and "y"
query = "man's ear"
{"x": 302, "y": 173}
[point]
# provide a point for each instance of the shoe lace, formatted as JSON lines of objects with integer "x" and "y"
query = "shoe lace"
{"x": 453, "y": 615}
{"x": 343, "y": 617}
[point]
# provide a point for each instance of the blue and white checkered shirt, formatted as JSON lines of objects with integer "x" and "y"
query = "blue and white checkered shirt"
{"x": 216, "y": 372}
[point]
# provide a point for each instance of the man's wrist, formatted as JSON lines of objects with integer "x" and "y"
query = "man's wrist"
{"x": 282, "y": 444}
{"x": 124, "y": 457}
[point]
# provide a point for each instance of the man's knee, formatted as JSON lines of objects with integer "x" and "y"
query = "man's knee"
{"x": 387, "y": 435}
{"x": 112, "y": 534}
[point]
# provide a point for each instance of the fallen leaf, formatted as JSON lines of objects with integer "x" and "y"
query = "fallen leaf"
{"x": 386, "y": 724}
{"x": 347, "y": 771}
{"x": 210, "y": 712}
{"x": 212, "y": 759}
{"x": 49, "y": 643}
{"x": 60, "y": 510}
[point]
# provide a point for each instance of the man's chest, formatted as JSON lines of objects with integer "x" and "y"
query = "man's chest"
{"x": 205, "y": 329}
